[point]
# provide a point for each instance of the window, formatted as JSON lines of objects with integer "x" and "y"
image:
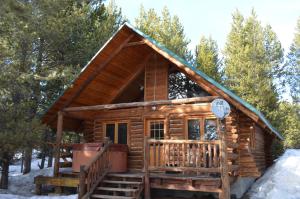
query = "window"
{"x": 117, "y": 132}
{"x": 157, "y": 130}
{"x": 122, "y": 133}
{"x": 201, "y": 128}
{"x": 110, "y": 131}
{"x": 210, "y": 129}
{"x": 194, "y": 129}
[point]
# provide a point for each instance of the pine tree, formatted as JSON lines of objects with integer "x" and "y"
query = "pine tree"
{"x": 207, "y": 58}
{"x": 44, "y": 44}
{"x": 165, "y": 29}
{"x": 293, "y": 66}
{"x": 253, "y": 58}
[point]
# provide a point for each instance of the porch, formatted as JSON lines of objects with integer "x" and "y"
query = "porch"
{"x": 171, "y": 164}
{"x": 168, "y": 163}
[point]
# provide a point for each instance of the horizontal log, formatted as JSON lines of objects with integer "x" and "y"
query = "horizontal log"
{"x": 198, "y": 169}
{"x": 140, "y": 104}
{"x": 153, "y": 141}
{"x": 56, "y": 181}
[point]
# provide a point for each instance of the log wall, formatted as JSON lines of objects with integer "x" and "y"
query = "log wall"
{"x": 254, "y": 150}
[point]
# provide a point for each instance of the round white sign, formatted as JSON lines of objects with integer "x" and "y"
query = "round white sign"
{"x": 220, "y": 108}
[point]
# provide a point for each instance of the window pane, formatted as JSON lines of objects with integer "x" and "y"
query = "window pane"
{"x": 110, "y": 132}
{"x": 211, "y": 130}
{"x": 157, "y": 129}
{"x": 122, "y": 133}
{"x": 194, "y": 129}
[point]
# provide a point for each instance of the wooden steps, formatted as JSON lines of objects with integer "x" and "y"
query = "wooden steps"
{"x": 120, "y": 186}
{"x": 110, "y": 197}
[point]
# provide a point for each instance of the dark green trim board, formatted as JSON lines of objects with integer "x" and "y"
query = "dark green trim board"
{"x": 198, "y": 72}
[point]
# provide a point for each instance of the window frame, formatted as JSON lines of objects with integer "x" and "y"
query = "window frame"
{"x": 201, "y": 119}
{"x": 116, "y": 134}
{"x": 148, "y": 127}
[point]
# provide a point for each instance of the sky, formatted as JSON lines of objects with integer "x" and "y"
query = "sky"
{"x": 213, "y": 17}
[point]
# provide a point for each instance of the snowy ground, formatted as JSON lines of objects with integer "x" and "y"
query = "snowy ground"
{"x": 22, "y": 186}
{"x": 281, "y": 181}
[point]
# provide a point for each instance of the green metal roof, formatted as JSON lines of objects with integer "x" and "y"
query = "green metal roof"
{"x": 207, "y": 78}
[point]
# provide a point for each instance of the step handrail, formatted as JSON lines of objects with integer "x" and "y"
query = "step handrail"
{"x": 94, "y": 172}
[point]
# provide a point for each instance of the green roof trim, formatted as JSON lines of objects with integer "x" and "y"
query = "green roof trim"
{"x": 207, "y": 78}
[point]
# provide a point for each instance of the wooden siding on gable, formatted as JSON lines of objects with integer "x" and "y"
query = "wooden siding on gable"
{"x": 156, "y": 79}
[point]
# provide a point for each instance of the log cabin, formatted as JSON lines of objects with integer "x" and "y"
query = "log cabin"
{"x": 136, "y": 93}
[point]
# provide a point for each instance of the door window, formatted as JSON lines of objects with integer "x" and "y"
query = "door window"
{"x": 157, "y": 129}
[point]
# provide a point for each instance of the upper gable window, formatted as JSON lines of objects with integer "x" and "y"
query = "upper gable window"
{"x": 180, "y": 86}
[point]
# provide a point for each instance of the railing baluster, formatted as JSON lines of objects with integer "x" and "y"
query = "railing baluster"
{"x": 204, "y": 155}
{"x": 215, "y": 155}
{"x": 209, "y": 156}
{"x": 183, "y": 154}
{"x": 158, "y": 155}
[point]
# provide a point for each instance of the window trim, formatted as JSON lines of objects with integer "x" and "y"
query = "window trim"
{"x": 147, "y": 126}
{"x": 116, "y": 123}
{"x": 201, "y": 119}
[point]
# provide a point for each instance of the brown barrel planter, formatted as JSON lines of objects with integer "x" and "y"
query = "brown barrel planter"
{"x": 83, "y": 154}
{"x": 118, "y": 154}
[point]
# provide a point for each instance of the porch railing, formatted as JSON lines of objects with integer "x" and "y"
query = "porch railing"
{"x": 183, "y": 155}
{"x": 93, "y": 173}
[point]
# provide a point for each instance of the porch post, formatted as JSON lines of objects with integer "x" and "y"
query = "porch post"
{"x": 146, "y": 162}
{"x": 58, "y": 142}
{"x": 225, "y": 194}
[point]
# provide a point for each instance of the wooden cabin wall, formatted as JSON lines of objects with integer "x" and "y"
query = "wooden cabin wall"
{"x": 88, "y": 130}
{"x": 232, "y": 139}
{"x": 251, "y": 147}
{"x": 259, "y": 149}
{"x": 176, "y": 117}
{"x": 156, "y": 79}
{"x": 268, "y": 140}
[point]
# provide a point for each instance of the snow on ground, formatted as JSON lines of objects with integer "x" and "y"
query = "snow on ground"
{"x": 280, "y": 181}
{"x": 22, "y": 186}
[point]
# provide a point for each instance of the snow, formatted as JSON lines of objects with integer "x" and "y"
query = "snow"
{"x": 22, "y": 186}
{"x": 12, "y": 196}
{"x": 282, "y": 180}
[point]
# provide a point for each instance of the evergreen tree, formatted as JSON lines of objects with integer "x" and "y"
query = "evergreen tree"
{"x": 165, "y": 29}
{"x": 207, "y": 58}
{"x": 293, "y": 66}
{"x": 44, "y": 44}
{"x": 253, "y": 58}
{"x": 289, "y": 116}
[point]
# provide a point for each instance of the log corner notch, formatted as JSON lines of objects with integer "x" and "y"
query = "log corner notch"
{"x": 60, "y": 116}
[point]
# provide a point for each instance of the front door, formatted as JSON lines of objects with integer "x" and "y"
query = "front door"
{"x": 117, "y": 132}
{"x": 156, "y": 129}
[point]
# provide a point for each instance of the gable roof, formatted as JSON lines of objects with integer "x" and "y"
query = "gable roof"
{"x": 180, "y": 62}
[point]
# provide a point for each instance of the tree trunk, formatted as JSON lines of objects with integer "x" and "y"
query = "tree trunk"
{"x": 50, "y": 149}
{"x": 50, "y": 158}
{"x": 42, "y": 165}
{"x": 4, "y": 172}
{"x": 27, "y": 161}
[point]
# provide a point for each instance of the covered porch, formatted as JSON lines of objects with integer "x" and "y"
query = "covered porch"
{"x": 168, "y": 163}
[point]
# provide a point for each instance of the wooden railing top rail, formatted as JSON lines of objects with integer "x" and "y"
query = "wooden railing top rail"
{"x": 183, "y": 141}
